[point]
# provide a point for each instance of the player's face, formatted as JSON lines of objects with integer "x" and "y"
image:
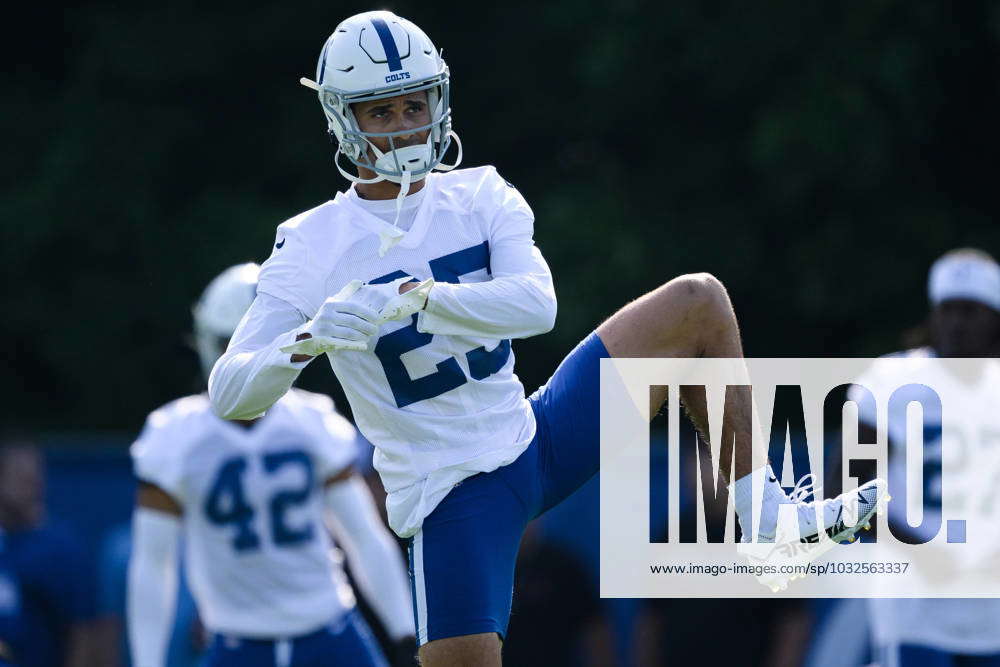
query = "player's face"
{"x": 395, "y": 114}
{"x": 22, "y": 486}
{"x": 964, "y": 328}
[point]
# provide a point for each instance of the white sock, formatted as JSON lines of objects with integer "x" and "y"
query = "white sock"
{"x": 771, "y": 499}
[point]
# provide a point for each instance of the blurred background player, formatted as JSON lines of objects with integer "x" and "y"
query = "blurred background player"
{"x": 250, "y": 499}
{"x": 56, "y": 623}
{"x": 10, "y": 606}
{"x": 964, "y": 321}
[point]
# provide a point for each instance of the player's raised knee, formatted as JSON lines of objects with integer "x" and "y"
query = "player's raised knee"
{"x": 699, "y": 290}
{"x": 702, "y": 283}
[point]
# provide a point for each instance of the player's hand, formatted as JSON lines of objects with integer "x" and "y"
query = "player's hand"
{"x": 412, "y": 298}
{"x": 395, "y": 300}
{"x": 340, "y": 324}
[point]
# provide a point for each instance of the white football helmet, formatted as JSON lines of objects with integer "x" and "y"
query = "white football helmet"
{"x": 219, "y": 310}
{"x": 376, "y": 55}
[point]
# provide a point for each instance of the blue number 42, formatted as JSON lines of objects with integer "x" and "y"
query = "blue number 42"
{"x": 226, "y": 504}
{"x": 449, "y": 374}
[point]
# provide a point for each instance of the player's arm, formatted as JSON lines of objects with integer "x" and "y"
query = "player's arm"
{"x": 152, "y": 575}
{"x": 263, "y": 358}
{"x": 520, "y": 300}
{"x": 375, "y": 559}
{"x": 254, "y": 373}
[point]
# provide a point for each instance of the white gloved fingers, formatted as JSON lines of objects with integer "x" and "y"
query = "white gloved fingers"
{"x": 375, "y": 296}
{"x": 330, "y": 331}
{"x": 347, "y": 313}
{"x": 404, "y": 305}
{"x": 358, "y": 317}
{"x": 390, "y": 304}
{"x": 349, "y": 319}
{"x": 332, "y": 323}
{"x": 318, "y": 345}
{"x": 347, "y": 291}
{"x": 348, "y": 332}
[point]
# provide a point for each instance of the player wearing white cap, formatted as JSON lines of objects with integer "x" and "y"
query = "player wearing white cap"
{"x": 250, "y": 499}
{"x": 964, "y": 294}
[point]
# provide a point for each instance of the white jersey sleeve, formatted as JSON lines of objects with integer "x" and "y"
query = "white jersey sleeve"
{"x": 154, "y": 460}
{"x": 254, "y": 372}
{"x": 288, "y": 272}
{"x": 152, "y": 585}
{"x": 520, "y": 300}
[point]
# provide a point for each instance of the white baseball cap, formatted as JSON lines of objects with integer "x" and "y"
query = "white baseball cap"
{"x": 965, "y": 274}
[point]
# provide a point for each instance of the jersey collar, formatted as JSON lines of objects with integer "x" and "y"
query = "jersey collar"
{"x": 374, "y": 224}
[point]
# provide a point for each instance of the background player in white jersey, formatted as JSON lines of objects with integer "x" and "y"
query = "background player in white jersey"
{"x": 250, "y": 500}
{"x": 964, "y": 291}
{"x": 413, "y": 283}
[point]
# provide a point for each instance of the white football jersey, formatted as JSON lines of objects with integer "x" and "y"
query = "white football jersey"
{"x": 967, "y": 451}
{"x": 259, "y": 559}
{"x": 437, "y": 395}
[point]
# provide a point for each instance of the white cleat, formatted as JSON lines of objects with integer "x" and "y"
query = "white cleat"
{"x": 786, "y": 555}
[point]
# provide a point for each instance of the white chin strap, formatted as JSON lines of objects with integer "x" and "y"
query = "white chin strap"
{"x": 354, "y": 178}
{"x": 390, "y": 236}
{"x": 406, "y": 160}
{"x": 441, "y": 166}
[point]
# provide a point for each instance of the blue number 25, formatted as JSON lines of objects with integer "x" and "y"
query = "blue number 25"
{"x": 449, "y": 375}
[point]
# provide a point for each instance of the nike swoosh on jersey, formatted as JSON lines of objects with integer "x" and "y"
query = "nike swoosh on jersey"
{"x": 279, "y": 244}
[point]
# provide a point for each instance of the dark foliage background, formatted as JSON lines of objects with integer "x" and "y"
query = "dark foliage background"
{"x": 815, "y": 156}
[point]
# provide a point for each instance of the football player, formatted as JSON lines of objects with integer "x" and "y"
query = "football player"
{"x": 55, "y": 617}
{"x": 964, "y": 292}
{"x": 249, "y": 498}
{"x": 414, "y": 283}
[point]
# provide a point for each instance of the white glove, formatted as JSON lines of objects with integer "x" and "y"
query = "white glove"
{"x": 402, "y": 306}
{"x": 390, "y": 305}
{"x": 340, "y": 324}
